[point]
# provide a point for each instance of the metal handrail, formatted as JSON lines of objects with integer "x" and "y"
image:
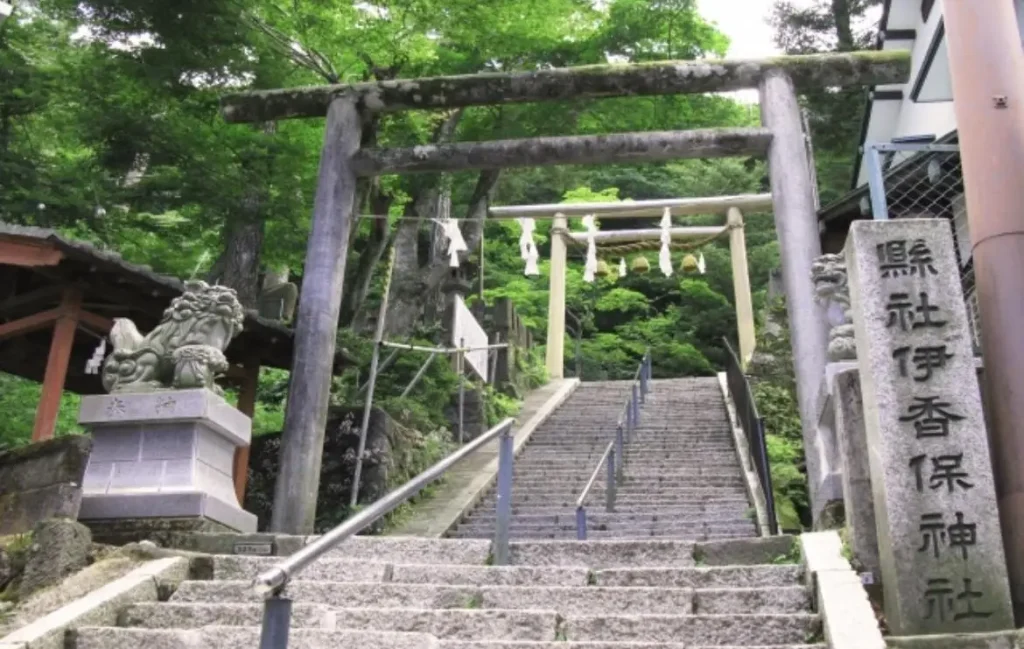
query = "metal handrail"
{"x": 753, "y": 429}
{"x": 609, "y": 452}
{"x": 271, "y": 583}
{"x": 613, "y": 458}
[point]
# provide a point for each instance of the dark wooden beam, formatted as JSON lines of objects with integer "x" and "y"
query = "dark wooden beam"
{"x": 35, "y": 298}
{"x": 57, "y": 365}
{"x": 97, "y": 322}
{"x": 29, "y": 323}
{"x": 657, "y": 146}
{"x": 866, "y": 68}
{"x": 247, "y": 405}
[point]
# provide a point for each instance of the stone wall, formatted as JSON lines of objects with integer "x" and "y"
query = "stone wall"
{"x": 393, "y": 454}
{"x": 42, "y": 481}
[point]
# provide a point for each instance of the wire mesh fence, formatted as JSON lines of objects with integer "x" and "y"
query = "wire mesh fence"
{"x": 915, "y": 181}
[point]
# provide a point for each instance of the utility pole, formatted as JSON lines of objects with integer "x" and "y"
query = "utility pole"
{"x": 987, "y": 69}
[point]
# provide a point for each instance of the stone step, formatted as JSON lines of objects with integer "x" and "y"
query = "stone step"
{"x": 606, "y": 535}
{"x": 344, "y": 570}
{"x": 592, "y": 600}
{"x": 737, "y": 507}
{"x": 762, "y": 576}
{"x": 601, "y": 517}
{"x": 645, "y": 477}
{"x": 239, "y": 637}
{"x": 621, "y": 505}
{"x": 715, "y": 630}
{"x": 603, "y": 554}
{"x": 462, "y": 644}
{"x": 455, "y": 623}
{"x": 682, "y": 529}
{"x": 395, "y": 549}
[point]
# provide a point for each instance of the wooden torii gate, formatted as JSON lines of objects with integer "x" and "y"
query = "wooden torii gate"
{"x": 731, "y": 206}
{"x": 349, "y": 106}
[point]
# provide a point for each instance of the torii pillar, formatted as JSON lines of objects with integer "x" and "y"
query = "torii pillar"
{"x": 556, "y": 299}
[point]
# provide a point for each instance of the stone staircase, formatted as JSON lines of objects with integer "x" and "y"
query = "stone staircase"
{"x": 682, "y": 476}
{"x": 413, "y": 593}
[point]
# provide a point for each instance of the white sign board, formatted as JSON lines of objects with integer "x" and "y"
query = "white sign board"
{"x": 467, "y": 332}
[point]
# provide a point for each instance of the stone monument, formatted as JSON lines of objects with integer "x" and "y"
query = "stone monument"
{"x": 164, "y": 439}
{"x": 940, "y": 543}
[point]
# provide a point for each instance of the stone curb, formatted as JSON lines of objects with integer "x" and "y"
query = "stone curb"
{"x": 99, "y": 607}
{"x": 750, "y": 479}
{"x": 847, "y": 617}
{"x": 489, "y": 474}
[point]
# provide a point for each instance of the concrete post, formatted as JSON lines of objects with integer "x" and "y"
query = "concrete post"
{"x": 741, "y": 285}
{"x": 556, "y": 299}
{"x": 987, "y": 69}
{"x": 797, "y": 226}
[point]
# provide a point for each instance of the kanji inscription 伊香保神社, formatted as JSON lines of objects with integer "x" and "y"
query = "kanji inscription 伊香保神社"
{"x": 940, "y": 545}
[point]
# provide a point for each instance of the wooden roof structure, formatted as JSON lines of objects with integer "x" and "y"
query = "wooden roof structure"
{"x": 59, "y": 296}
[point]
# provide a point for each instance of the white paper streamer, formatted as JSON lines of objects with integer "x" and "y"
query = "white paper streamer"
{"x": 456, "y": 243}
{"x": 664, "y": 255}
{"x": 700, "y": 264}
{"x": 92, "y": 366}
{"x": 531, "y": 263}
{"x": 591, "y": 266}
{"x": 527, "y": 246}
{"x": 622, "y": 267}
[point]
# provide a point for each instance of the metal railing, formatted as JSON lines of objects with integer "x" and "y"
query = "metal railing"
{"x": 753, "y": 429}
{"x": 614, "y": 457}
{"x": 271, "y": 584}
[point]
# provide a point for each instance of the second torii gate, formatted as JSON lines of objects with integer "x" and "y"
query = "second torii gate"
{"x": 731, "y": 206}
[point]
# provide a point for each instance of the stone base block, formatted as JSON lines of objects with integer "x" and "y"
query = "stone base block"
{"x": 162, "y": 531}
{"x": 135, "y": 510}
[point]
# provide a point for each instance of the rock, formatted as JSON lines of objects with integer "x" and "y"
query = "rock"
{"x": 60, "y": 547}
{"x": 40, "y": 481}
{"x": 6, "y": 568}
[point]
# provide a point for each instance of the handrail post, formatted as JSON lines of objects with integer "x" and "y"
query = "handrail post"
{"x": 581, "y": 524}
{"x": 277, "y": 621}
{"x": 619, "y": 451}
{"x": 504, "y": 498}
{"x": 629, "y": 423}
{"x": 609, "y": 489}
{"x": 635, "y": 402}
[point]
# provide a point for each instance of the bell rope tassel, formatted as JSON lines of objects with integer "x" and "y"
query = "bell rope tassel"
{"x": 591, "y": 266}
{"x": 665, "y": 255}
{"x": 622, "y": 267}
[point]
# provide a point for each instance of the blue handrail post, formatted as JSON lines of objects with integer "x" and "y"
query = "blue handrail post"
{"x": 629, "y": 422}
{"x": 619, "y": 451}
{"x": 277, "y": 621}
{"x": 643, "y": 380}
{"x": 503, "y": 506}
{"x": 609, "y": 493}
{"x": 635, "y": 403}
{"x": 581, "y": 524}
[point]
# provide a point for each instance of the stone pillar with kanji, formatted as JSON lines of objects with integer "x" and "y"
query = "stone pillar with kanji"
{"x": 940, "y": 544}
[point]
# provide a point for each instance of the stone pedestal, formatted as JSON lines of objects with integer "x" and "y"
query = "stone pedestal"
{"x": 831, "y": 512}
{"x": 165, "y": 456}
{"x": 939, "y": 538}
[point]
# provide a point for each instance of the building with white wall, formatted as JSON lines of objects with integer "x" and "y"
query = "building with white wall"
{"x": 924, "y": 183}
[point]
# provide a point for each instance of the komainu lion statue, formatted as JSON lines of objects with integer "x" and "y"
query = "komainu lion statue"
{"x": 186, "y": 350}
{"x": 831, "y": 287}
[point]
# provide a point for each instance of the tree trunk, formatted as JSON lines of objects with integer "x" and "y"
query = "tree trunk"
{"x": 241, "y": 256}
{"x": 239, "y": 264}
{"x": 352, "y": 311}
{"x": 844, "y": 30}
